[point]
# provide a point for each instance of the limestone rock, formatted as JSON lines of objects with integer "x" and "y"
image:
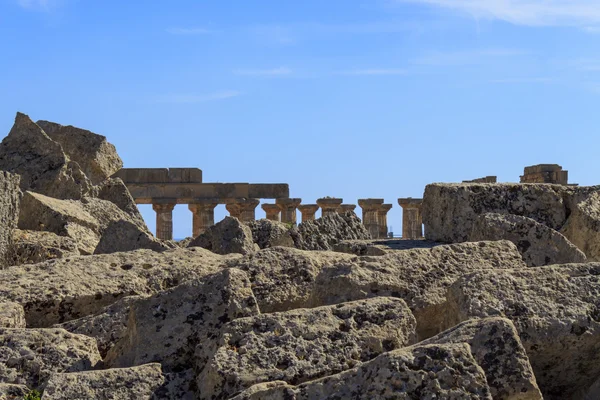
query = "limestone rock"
{"x": 380, "y": 247}
{"x": 13, "y": 392}
{"x": 115, "y": 191}
{"x": 419, "y": 372}
{"x": 115, "y": 384}
{"x": 267, "y": 233}
{"x": 497, "y": 348}
{"x": 583, "y": 226}
{"x": 450, "y": 210}
{"x": 539, "y": 244}
{"x": 60, "y": 290}
{"x": 97, "y": 158}
{"x": 301, "y": 345}
{"x": 323, "y": 233}
{"x": 127, "y": 236}
{"x": 31, "y": 247}
{"x": 228, "y": 236}
{"x": 556, "y": 312}
{"x": 12, "y": 315}
{"x": 41, "y": 162}
{"x": 10, "y": 199}
{"x": 29, "y": 356}
{"x": 168, "y": 326}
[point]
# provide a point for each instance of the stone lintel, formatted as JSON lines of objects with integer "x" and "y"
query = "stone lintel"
{"x": 159, "y": 175}
{"x": 485, "y": 179}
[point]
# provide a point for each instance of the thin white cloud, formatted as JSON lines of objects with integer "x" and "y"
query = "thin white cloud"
{"x": 196, "y": 98}
{"x": 281, "y": 71}
{"x": 374, "y": 71}
{"x": 189, "y": 31}
{"x": 579, "y": 13}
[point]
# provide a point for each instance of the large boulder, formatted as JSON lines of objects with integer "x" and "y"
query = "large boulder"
{"x": 450, "y": 210}
{"x": 325, "y": 232}
{"x": 539, "y": 244}
{"x": 583, "y": 226}
{"x": 97, "y": 158}
{"x": 301, "y": 345}
{"x": 32, "y": 247}
{"x": 228, "y": 236}
{"x": 41, "y": 162}
{"x": 10, "y": 198}
{"x": 30, "y": 356}
{"x": 117, "y": 384}
{"x": 60, "y": 290}
{"x": 115, "y": 191}
{"x": 125, "y": 235}
{"x": 283, "y": 278}
{"x": 420, "y": 372}
{"x": 267, "y": 233}
{"x": 556, "y": 311}
{"x": 12, "y": 315}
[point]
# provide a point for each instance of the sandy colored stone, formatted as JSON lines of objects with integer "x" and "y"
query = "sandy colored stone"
{"x": 95, "y": 155}
{"x": 497, "y": 348}
{"x": 450, "y": 209}
{"x": 168, "y": 326}
{"x": 267, "y": 233}
{"x": 41, "y": 162}
{"x": 10, "y": 198}
{"x": 228, "y": 236}
{"x": 380, "y": 247}
{"x": 583, "y": 226}
{"x": 539, "y": 244}
{"x": 446, "y": 372}
{"x": 31, "y": 247}
{"x": 30, "y": 356}
{"x": 12, "y": 315}
{"x": 556, "y": 311}
{"x": 13, "y": 392}
{"x": 301, "y": 345}
{"x": 60, "y": 290}
{"x": 325, "y": 232}
{"x": 139, "y": 383}
{"x": 115, "y": 191}
{"x": 126, "y": 236}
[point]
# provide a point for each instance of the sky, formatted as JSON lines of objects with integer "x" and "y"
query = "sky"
{"x": 342, "y": 98}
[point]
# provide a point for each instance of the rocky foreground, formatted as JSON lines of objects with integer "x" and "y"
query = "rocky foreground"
{"x": 502, "y": 302}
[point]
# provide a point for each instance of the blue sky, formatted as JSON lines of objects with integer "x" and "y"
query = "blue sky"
{"x": 340, "y": 98}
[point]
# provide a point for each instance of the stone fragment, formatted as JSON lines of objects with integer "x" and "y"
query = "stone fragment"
{"x": 10, "y": 198}
{"x": 583, "y": 226}
{"x": 12, "y": 315}
{"x": 228, "y": 236}
{"x": 539, "y": 244}
{"x": 556, "y": 311}
{"x": 31, "y": 247}
{"x": 381, "y": 247}
{"x": 125, "y": 235}
{"x": 119, "y": 384}
{"x": 41, "y": 162}
{"x": 95, "y": 155}
{"x": 267, "y": 233}
{"x": 325, "y": 232}
{"x": 115, "y": 191}
{"x": 9, "y": 391}
{"x": 301, "y": 345}
{"x": 30, "y": 356}
{"x": 497, "y": 348}
{"x": 168, "y": 326}
{"x": 450, "y": 210}
{"x": 418, "y": 372}
{"x": 61, "y": 290}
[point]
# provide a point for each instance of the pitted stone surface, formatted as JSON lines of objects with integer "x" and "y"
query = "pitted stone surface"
{"x": 116, "y": 384}
{"x": 418, "y": 372}
{"x": 9, "y": 391}
{"x": 583, "y": 226}
{"x": 124, "y": 235}
{"x": 31, "y": 247}
{"x": 29, "y": 356}
{"x": 539, "y": 244}
{"x": 10, "y": 199}
{"x": 301, "y": 345}
{"x": 556, "y": 312}
{"x": 115, "y": 191}
{"x": 267, "y": 233}
{"x": 12, "y": 315}
{"x": 228, "y": 236}
{"x": 60, "y": 290}
{"x": 325, "y": 232}
{"x": 497, "y": 348}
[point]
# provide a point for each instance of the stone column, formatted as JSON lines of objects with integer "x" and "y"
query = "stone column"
{"x": 346, "y": 207}
{"x": 412, "y": 220}
{"x": 288, "y": 209}
{"x": 370, "y": 214}
{"x": 308, "y": 211}
{"x": 329, "y": 205}
{"x": 272, "y": 211}
{"x": 382, "y": 215}
{"x": 248, "y": 207}
{"x": 164, "y": 220}
{"x": 203, "y": 216}
{"x": 234, "y": 209}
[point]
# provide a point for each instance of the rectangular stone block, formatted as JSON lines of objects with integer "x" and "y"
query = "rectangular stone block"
{"x": 159, "y": 175}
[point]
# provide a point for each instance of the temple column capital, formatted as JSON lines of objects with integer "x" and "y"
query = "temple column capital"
{"x": 370, "y": 212}
{"x": 346, "y": 207}
{"x": 382, "y": 215}
{"x": 308, "y": 211}
{"x": 412, "y": 219}
{"x": 203, "y": 214}
{"x": 164, "y": 220}
{"x": 329, "y": 205}
{"x": 272, "y": 211}
{"x": 288, "y": 208}
{"x": 243, "y": 209}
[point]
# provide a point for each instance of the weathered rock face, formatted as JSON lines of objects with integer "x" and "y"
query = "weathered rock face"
{"x": 41, "y": 162}
{"x": 60, "y": 290}
{"x": 538, "y": 244}
{"x": 556, "y": 312}
{"x": 127, "y": 236}
{"x": 380, "y": 247}
{"x": 325, "y": 232}
{"x": 31, "y": 247}
{"x": 266, "y": 233}
{"x": 97, "y": 158}
{"x": 283, "y": 279}
{"x": 583, "y": 226}
{"x": 10, "y": 198}
{"x": 496, "y": 347}
{"x": 168, "y": 326}
{"x": 228, "y": 236}
{"x": 13, "y": 392}
{"x": 115, "y": 191}
{"x": 419, "y": 372}
{"x": 29, "y": 356}
{"x": 301, "y": 345}
{"x": 12, "y": 315}
{"x": 450, "y": 210}
{"x": 119, "y": 384}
